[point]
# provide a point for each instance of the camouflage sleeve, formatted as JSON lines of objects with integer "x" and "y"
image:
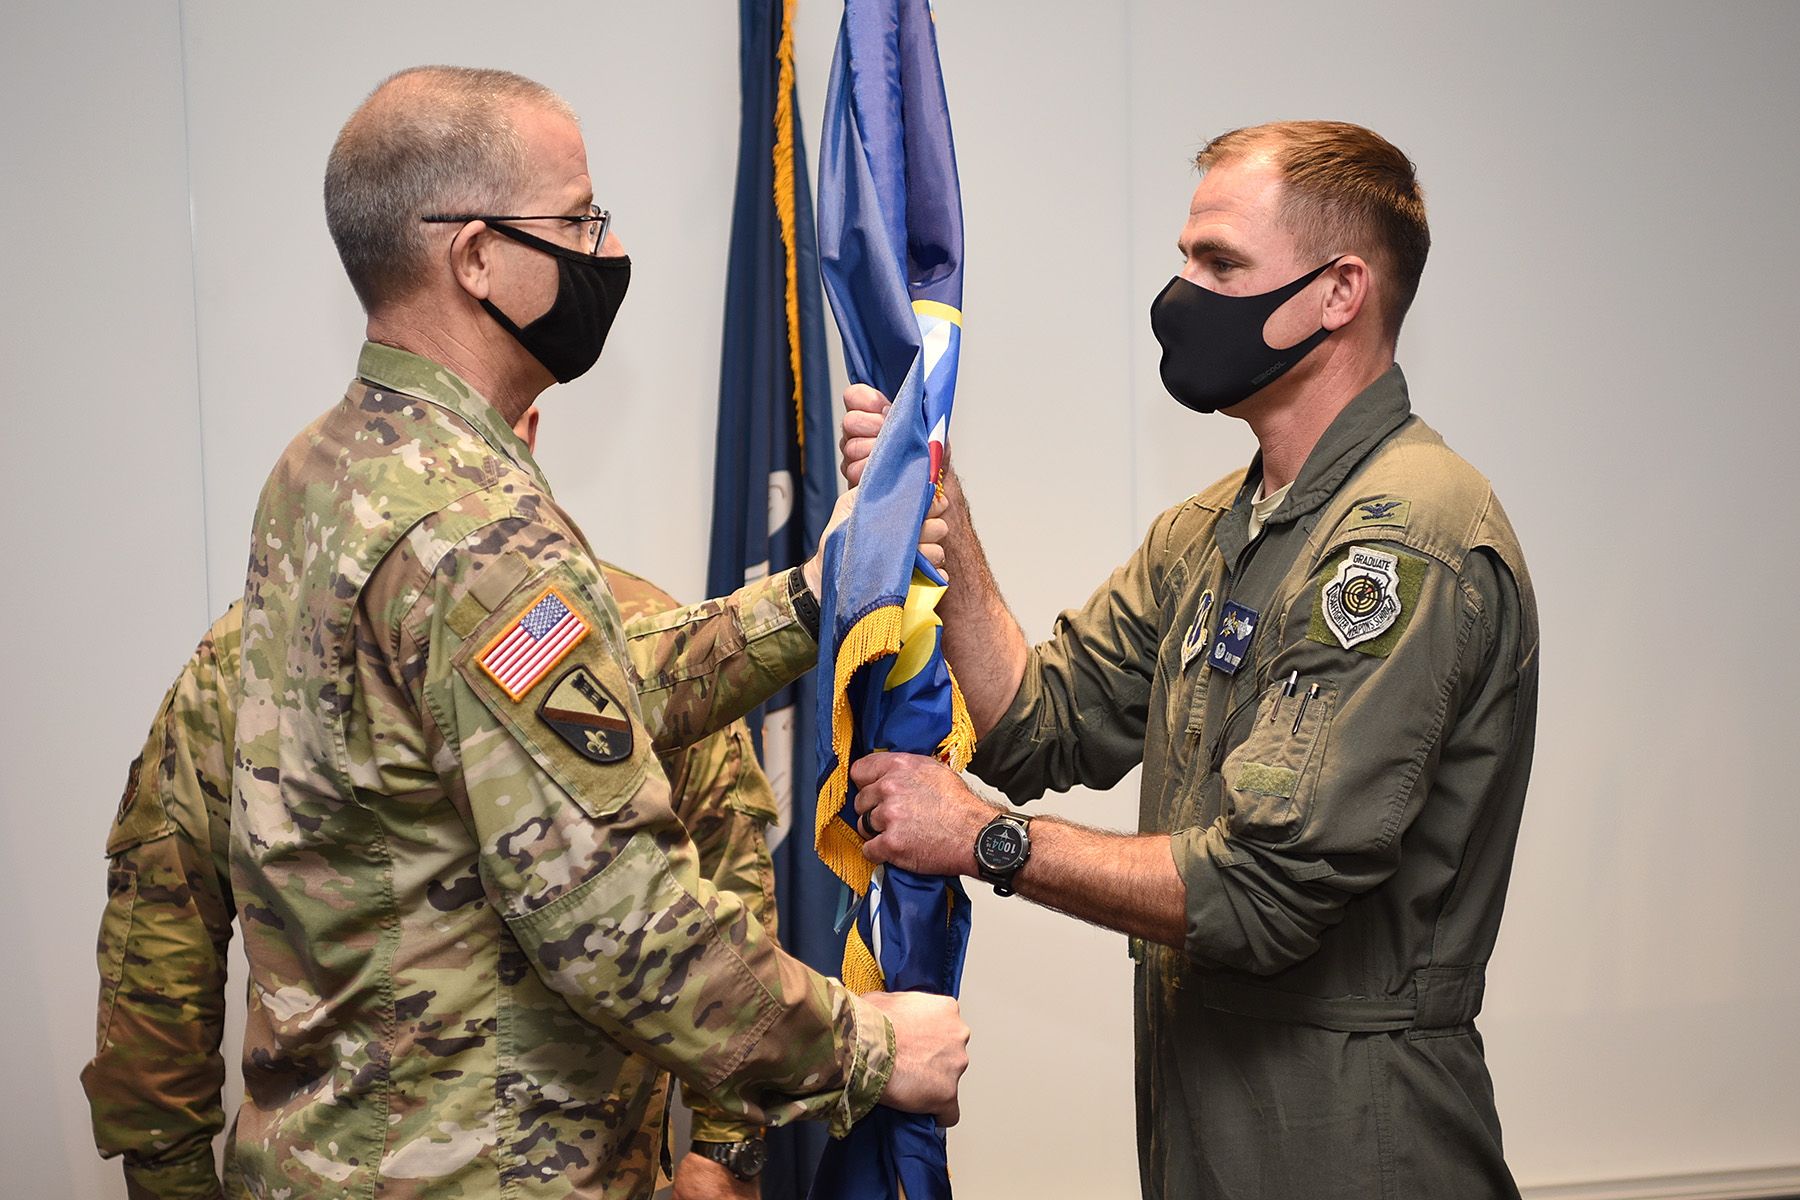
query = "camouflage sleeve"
{"x": 700, "y": 667}
{"x": 584, "y": 857}
{"x": 155, "y": 1080}
{"x": 726, "y": 804}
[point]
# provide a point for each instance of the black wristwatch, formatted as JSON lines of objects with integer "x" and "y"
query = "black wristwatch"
{"x": 1002, "y": 848}
{"x": 743, "y": 1159}
{"x": 806, "y": 605}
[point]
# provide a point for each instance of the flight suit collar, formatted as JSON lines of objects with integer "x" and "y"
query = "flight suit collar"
{"x": 402, "y": 371}
{"x": 1377, "y": 411}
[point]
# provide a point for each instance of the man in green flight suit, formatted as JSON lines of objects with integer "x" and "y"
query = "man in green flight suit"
{"x": 1327, "y": 665}
{"x": 156, "y": 1078}
{"x": 468, "y": 905}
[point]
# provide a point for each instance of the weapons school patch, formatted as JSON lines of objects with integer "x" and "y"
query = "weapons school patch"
{"x": 524, "y": 651}
{"x": 588, "y": 717}
{"x": 1195, "y": 641}
{"x": 1237, "y": 625}
{"x": 1366, "y": 603}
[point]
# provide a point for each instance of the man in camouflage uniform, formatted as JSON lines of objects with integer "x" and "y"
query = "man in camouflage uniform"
{"x": 155, "y": 1080}
{"x": 1326, "y": 665}
{"x": 469, "y": 908}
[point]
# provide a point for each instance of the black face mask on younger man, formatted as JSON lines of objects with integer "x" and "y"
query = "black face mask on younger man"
{"x": 568, "y": 339}
{"x": 1214, "y": 355}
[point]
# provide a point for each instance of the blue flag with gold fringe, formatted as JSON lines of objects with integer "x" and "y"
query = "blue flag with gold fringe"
{"x": 775, "y": 480}
{"x": 890, "y": 238}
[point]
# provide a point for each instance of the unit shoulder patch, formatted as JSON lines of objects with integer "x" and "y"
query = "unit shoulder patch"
{"x": 588, "y": 716}
{"x": 1367, "y": 600}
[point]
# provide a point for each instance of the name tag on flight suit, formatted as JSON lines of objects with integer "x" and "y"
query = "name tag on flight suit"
{"x": 1237, "y": 624}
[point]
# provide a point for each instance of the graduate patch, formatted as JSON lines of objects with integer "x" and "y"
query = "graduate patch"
{"x": 588, "y": 717}
{"x": 524, "y": 651}
{"x": 1366, "y": 602}
{"x": 1195, "y": 641}
{"x": 1237, "y": 624}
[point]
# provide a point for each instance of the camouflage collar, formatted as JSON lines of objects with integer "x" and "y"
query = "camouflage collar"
{"x": 402, "y": 371}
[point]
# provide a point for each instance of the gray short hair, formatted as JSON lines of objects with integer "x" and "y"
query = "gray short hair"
{"x": 427, "y": 140}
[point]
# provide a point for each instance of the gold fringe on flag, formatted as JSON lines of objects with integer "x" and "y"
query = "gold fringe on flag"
{"x": 784, "y": 207}
{"x": 839, "y": 845}
{"x": 861, "y": 972}
{"x": 958, "y": 746}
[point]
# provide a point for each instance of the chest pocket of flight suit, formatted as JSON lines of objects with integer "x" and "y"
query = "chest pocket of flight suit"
{"x": 1269, "y": 778}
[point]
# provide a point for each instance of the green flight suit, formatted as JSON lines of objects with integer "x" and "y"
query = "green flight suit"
{"x": 1345, "y": 862}
{"x": 155, "y": 1082}
{"x": 469, "y": 908}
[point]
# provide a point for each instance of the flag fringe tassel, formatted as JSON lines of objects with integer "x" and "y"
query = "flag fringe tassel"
{"x": 875, "y": 636}
{"x": 862, "y": 974}
{"x": 783, "y": 155}
{"x": 958, "y": 746}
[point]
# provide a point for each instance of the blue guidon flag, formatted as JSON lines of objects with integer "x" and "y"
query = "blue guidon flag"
{"x": 890, "y": 239}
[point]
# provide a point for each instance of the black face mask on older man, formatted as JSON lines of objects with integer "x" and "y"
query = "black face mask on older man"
{"x": 589, "y": 289}
{"x": 1214, "y": 355}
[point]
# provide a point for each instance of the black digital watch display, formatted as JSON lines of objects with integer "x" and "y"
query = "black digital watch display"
{"x": 1002, "y": 848}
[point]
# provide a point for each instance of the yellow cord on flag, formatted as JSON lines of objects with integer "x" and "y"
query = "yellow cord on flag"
{"x": 784, "y": 207}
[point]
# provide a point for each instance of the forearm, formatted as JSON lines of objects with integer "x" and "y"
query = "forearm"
{"x": 983, "y": 643}
{"x": 155, "y": 1080}
{"x": 1118, "y": 881}
{"x": 699, "y": 668}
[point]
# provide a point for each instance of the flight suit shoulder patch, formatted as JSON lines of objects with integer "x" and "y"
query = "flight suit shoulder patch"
{"x": 1365, "y": 599}
{"x": 1385, "y": 512}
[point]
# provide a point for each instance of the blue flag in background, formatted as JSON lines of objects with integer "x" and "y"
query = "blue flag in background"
{"x": 890, "y": 234}
{"x": 775, "y": 480}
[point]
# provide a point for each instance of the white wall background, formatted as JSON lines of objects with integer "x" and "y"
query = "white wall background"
{"x": 1606, "y": 329}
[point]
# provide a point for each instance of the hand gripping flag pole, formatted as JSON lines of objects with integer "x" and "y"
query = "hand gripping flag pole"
{"x": 890, "y": 234}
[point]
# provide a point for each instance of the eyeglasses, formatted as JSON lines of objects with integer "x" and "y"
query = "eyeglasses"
{"x": 593, "y": 226}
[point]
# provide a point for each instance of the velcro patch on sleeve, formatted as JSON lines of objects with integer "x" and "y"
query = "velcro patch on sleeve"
{"x": 559, "y": 692}
{"x": 1366, "y": 599}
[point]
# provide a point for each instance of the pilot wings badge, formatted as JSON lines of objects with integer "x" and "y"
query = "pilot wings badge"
{"x": 1195, "y": 641}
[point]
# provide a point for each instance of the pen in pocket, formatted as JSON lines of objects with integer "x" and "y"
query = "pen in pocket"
{"x": 1301, "y": 715}
{"x": 1287, "y": 689}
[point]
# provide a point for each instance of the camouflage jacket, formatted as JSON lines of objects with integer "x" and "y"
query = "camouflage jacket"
{"x": 155, "y": 1080}
{"x": 470, "y": 911}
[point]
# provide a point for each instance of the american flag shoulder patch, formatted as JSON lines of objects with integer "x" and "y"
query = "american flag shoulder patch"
{"x": 524, "y": 651}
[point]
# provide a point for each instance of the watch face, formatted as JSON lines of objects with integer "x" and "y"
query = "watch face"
{"x": 1000, "y": 846}
{"x": 748, "y": 1159}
